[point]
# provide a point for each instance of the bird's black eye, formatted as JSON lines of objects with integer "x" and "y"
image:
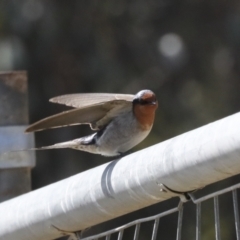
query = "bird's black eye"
{"x": 142, "y": 101}
{"x": 139, "y": 101}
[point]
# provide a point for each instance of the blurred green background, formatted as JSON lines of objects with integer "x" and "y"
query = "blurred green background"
{"x": 187, "y": 52}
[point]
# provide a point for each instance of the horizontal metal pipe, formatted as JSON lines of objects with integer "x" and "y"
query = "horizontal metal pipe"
{"x": 189, "y": 161}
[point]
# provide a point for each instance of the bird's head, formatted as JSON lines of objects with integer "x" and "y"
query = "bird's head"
{"x": 144, "y": 106}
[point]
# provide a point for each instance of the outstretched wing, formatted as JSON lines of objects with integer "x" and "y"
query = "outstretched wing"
{"x": 94, "y": 109}
{"x": 81, "y": 100}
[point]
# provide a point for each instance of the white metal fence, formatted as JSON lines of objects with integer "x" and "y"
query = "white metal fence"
{"x": 156, "y": 219}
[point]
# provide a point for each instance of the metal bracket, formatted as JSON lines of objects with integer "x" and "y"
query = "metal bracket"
{"x": 184, "y": 197}
{"x": 12, "y": 139}
{"x": 72, "y": 235}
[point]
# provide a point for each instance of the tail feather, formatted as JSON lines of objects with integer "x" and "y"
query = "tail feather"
{"x": 84, "y": 144}
{"x": 69, "y": 144}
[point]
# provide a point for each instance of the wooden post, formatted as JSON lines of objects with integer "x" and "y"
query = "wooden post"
{"x": 15, "y": 172}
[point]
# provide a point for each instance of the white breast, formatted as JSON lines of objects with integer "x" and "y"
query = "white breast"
{"x": 122, "y": 134}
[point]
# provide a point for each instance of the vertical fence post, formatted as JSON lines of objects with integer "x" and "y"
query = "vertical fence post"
{"x": 15, "y": 168}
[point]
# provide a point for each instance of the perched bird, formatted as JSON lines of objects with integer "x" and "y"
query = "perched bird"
{"x": 121, "y": 121}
